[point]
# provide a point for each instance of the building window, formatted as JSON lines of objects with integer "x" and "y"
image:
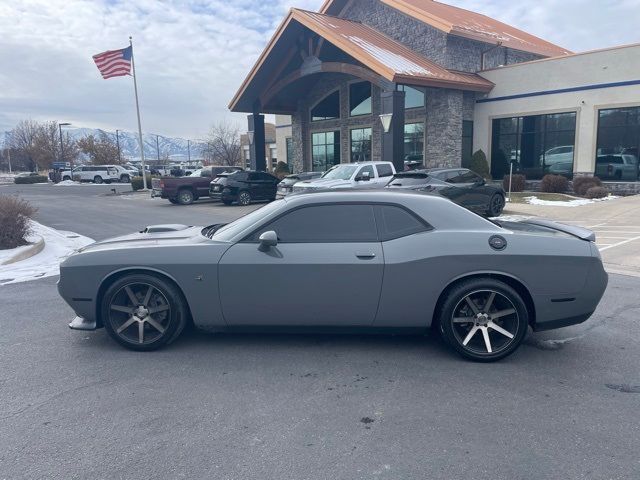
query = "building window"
{"x": 359, "y": 99}
{"x": 273, "y": 153}
{"x": 536, "y": 145}
{"x": 618, "y": 144}
{"x": 325, "y": 150}
{"x": 414, "y": 142}
{"x": 361, "y": 144}
{"x": 289, "y": 153}
{"x": 467, "y": 142}
{"x": 328, "y": 108}
{"x": 247, "y": 156}
{"x": 413, "y": 97}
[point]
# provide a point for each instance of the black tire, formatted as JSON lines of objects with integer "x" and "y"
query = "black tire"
{"x": 496, "y": 205}
{"x": 227, "y": 202}
{"x": 125, "y": 178}
{"x": 244, "y": 198}
{"x": 138, "y": 329}
{"x": 185, "y": 197}
{"x": 483, "y": 338}
{"x": 97, "y": 179}
{"x": 174, "y": 201}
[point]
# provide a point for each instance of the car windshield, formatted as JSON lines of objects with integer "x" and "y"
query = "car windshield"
{"x": 230, "y": 230}
{"x": 340, "y": 172}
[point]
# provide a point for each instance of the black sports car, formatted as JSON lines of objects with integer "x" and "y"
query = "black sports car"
{"x": 460, "y": 185}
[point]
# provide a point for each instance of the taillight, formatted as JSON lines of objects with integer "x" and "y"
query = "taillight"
{"x": 161, "y": 184}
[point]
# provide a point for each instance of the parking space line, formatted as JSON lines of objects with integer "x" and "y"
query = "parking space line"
{"x": 620, "y": 243}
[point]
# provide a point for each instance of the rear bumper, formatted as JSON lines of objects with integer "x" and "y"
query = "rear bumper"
{"x": 553, "y": 311}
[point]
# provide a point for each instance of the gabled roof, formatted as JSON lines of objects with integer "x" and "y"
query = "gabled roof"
{"x": 381, "y": 54}
{"x": 464, "y": 23}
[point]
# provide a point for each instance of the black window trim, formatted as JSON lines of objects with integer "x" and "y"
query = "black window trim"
{"x": 428, "y": 227}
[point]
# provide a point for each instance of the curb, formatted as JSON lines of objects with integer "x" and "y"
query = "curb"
{"x": 34, "y": 249}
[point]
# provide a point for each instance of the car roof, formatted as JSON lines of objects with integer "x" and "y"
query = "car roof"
{"x": 444, "y": 169}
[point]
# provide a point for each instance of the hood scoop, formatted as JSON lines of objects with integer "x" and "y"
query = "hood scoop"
{"x": 168, "y": 227}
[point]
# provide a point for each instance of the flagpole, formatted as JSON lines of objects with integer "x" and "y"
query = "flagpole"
{"x": 135, "y": 88}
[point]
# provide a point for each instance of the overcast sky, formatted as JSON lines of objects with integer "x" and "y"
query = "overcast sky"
{"x": 191, "y": 55}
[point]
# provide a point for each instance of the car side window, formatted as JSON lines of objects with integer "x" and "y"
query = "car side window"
{"x": 384, "y": 170}
{"x": 239, "y": 177}
{"x": 324, "y": 224}
{"x": 254, "y": 177}
{"x": 465, "y": 177}
{"x": 395, "y": 222}
{"x": 366, "y": 169}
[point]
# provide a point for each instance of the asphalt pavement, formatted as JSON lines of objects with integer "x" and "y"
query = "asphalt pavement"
{"x": 76, "y": 405}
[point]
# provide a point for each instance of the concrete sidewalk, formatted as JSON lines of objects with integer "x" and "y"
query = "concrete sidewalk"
{"x": 616, "y": 223}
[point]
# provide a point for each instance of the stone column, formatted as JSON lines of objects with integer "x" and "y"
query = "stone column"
{"x": 393, "y": 140}
{"x": 257, "y": 146}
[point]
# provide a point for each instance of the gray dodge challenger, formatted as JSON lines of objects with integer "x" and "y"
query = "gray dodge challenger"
{"x": 385, "y": 261}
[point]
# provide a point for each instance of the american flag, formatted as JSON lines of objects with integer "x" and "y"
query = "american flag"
{"x": 114, "y": 63}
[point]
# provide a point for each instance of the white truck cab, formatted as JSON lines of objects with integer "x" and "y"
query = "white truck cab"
{"x": 350, "y": 175}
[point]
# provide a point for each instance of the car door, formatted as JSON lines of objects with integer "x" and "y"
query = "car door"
{"x": 325, "y": 271}
{"x": 202, "y": 186}
{"x": 359, "y": 181}
{"x": 385, "y": 173}
{"x": 470, "y": 193}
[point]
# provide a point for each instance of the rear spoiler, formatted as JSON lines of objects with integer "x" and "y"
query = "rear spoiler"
{"x": 576, "y": 231}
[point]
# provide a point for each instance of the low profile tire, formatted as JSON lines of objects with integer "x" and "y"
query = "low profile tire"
{"x": 483, "y": 319}
{"x": 97, "y": 179}
{"x": 496, "y": 205}
{"x": 174, "y": 201}
{"x": 185, "y": 197}
{"x": 143, "y": 312}
{"x": 244, "y": 198}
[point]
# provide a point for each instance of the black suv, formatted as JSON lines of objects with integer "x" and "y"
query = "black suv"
{"x": 243, "y": 187}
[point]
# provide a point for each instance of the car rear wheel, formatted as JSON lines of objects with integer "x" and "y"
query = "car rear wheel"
{"x": 143, "y": 312}
{"x": 483, "y": 319}
{"x": 185, "y": 197}
{"x": 244, "y": 198}
{"x": 496, "y": 205}
{"x": 97, "y": 179}
{"x": 125, "y": 178}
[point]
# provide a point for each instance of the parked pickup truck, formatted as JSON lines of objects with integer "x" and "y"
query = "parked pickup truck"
{"x": 186, "y": 190}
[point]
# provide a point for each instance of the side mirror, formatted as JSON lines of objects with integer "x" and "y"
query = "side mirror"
{"x": 268, "y": 239}
{"x": 363, "y": 177}
{"x": 481, "y": 182}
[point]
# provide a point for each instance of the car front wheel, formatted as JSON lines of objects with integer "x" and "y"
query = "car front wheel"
{"x": 143, "y": 312}
{"x": 244, "y": 198}
{"x": 496, "y": 205}
{"x": 483, "y": 319}
{"x": 97, "y": 179}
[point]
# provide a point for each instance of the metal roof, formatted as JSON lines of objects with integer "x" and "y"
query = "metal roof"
{"x": 465, "y": 23}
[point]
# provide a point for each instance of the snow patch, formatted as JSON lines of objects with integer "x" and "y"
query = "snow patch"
{"x": 533, "y": 200}
{"x": 58, "y": 246}
{"x": 392, "y": 60}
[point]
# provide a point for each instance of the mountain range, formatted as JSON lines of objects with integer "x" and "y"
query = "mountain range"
{"x": 173, "y": 147}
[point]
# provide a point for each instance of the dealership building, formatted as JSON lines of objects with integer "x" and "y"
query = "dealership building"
{"x": 405, "y": 80}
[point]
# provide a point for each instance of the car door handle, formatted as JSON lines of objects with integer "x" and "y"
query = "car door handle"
{"x": 365, "y": 255}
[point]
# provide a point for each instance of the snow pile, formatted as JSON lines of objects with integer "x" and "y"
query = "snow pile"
{"x": 7, "y": 178}
{"x": 58, "y": 246}
{"x": 397, "y": 62}
{"x": 66, "y": 182}
{"x": 571, "y": 203}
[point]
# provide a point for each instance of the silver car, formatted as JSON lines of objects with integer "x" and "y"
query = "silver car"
{"x": 384, "y": 260}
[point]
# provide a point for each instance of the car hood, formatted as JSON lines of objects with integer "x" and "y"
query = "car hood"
{"x": 321, "y": 183}
{"x": 153, "y": 235}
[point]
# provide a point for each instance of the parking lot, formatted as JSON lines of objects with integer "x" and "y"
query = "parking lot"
{"x": 75, "y": 405}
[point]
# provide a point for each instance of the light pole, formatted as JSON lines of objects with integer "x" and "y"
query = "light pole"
{"x": 189, "y": 151}
{"x": 118, "y": 143}
{"x": 158, "y": 147}
{"x": 60, "y": 125}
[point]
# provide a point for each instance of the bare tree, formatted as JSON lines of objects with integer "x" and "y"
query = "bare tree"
{"x": 22, "y": 139}
{"x": 47, "y": 145}
{"x": 101, "y": 150}
{"x": 223, "y": 144}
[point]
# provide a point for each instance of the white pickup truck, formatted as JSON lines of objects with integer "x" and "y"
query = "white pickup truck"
{"x": 350, "y": 175}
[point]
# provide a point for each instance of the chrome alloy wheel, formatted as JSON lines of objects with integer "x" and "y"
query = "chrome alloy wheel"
{"x": 485, "y": 322}
{"x": 244, "y": 198}
{"x": 139, "y": 313}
